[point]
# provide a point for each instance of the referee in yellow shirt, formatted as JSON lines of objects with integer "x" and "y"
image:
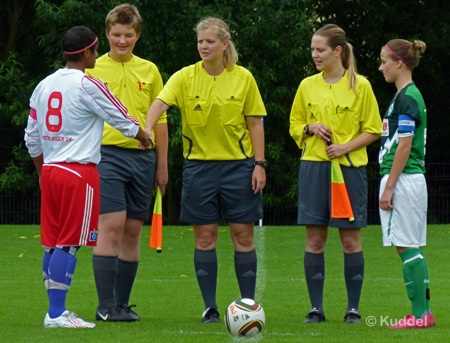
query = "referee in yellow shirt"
{"x": 128, "y": 175}
{"x": 337, "y": 105}
{"x": 223, "y": 144}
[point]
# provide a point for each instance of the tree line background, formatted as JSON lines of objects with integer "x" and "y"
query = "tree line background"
{"x": 273, "y": 40}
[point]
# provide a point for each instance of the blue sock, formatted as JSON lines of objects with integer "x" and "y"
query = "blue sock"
{"x": 45, "y": 262}
{"x": 61, "y": 269}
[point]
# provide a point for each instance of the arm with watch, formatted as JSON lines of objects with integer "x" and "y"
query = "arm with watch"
{"x": 256, "y": 130}
{"x": 318, "y": 129}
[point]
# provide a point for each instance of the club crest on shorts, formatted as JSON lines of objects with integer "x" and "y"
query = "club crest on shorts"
{"x": 93, "y": 235}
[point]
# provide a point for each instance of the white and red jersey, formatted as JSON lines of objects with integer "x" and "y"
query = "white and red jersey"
{"x": 68, "y": 110}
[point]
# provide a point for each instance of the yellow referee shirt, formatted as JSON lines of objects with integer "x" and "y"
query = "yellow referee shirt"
{"x": 213, "y": 111}
{"x": 344, "y": 113}
{"x": 136, "y": 84}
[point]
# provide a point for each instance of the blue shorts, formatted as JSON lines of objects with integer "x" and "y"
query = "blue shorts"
{"x": 126, "y": 181}
{"x": 314, "y": 195}
{"x": 225, "y": 187}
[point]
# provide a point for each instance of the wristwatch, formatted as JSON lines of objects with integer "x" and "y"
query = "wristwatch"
{"x": 262, "y": 163}
{"x": 306, "y": 130}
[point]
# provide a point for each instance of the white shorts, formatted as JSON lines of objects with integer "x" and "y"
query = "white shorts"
{"x": 405, "y": 225}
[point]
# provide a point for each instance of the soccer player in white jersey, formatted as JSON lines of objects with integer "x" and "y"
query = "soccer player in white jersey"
{"x": 403, "y": 189}
{"x": 63, "y": 137}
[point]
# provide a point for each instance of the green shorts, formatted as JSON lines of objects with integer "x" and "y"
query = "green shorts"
{"x": 126, "y": 181}
{"x": 314, "y": 195}
{"x": 225, "y": 187}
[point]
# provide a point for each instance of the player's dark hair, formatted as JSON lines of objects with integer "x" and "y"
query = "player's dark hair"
{"x": 335, "y": 37}
{"x": 77, "y": 38}
{"x": 408, "y": 52}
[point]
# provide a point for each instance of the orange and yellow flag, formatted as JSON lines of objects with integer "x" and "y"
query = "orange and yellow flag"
{"x": 340, "y": 202}
{"x": 156, "y": 230}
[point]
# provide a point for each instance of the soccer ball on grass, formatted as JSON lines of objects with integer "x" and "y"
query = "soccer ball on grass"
{"x": 245, "y": 318}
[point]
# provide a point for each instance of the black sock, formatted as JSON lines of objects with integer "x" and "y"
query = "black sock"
{"x": 354, "y": 276}
{"x": 315, "y": 277}
{"x": 105, "y": 270}
{"x": 126, "y": 273}
{"x": 245, "y": 264}
{"x": 205, "y": 262}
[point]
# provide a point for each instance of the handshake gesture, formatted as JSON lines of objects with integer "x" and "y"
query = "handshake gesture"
{"x": 145, "y": 139}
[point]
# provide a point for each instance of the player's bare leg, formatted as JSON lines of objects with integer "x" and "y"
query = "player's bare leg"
{"x": 111, "y": 227}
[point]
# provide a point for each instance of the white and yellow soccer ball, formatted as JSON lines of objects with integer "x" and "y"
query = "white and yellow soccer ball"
{"x": 245, "y": 318}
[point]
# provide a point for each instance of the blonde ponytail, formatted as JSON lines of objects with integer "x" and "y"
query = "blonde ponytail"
{"x": 335, "y": 37}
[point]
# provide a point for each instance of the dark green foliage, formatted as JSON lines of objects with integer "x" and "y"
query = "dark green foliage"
{"x": 272, "y": 38}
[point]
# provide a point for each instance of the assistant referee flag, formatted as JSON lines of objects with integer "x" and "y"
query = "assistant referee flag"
{"x": 340, "y": 202}
{"x": 156, "y": 230}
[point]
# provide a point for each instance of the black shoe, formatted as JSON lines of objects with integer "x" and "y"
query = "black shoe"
{"x": 211, "y": 315}
{"x": 112, "y": 314}
{"x": 130, "y": 314}
{"x": 316, "y": 315}
{"x": 352, "y": 316}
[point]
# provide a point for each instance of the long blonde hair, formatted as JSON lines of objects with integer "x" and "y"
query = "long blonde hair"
{"x": 335, "y": 37}
{"x": 230, "y": 55}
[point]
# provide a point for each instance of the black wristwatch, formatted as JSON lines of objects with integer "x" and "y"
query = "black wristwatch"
{"x": 262, "y": 163}
{"x": 306, "y": 130}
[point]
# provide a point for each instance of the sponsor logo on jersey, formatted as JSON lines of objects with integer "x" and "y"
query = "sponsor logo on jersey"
{"x": 385, "y": 131}
{"x": 312, "y": 116}
{"x": 198, "y": 108}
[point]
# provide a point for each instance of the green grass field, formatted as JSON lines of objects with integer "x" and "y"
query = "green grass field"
{"x": 168, "y": 298}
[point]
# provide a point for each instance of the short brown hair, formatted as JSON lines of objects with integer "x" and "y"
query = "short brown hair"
{"x": 125, "y": 14}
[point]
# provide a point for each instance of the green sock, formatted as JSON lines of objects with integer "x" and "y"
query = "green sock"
{"x": 414, "y": 274}
{"x": 427, "y": 284}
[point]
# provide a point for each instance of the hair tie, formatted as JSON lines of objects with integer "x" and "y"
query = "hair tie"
{"x": 409, "y": 65}
{"x": 78, "y": 51}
